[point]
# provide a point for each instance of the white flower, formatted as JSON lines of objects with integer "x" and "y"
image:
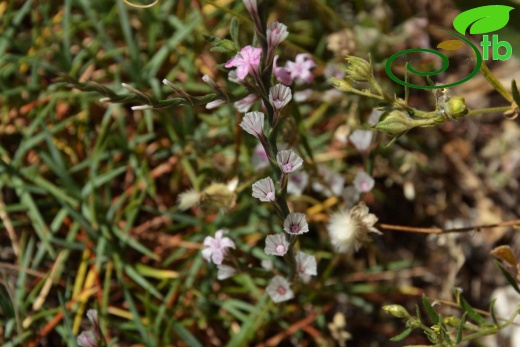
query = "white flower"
{"x": 276, "y": 33}
{"x": 245, "y": 104}
{"x": 276, "y": 245}
{"x": 348, "y": 230}
{"x": 215, "y": 103}
{"x": 363, "y": 182}
{"x": 264, "y": 190}
{"x": 279, "y": 290}
{"x": 295, "y": 224}
{"x": 216, "y": 247}
{"x": 225, "y": 272}
{"x": 306, "y": 265}
{"x": 361, "y": 139}
{"x": 279, "y": 96}
{"x": 253, "y": 123}
{"x": 297, "y": 182}
{"x": 288, "y": 161}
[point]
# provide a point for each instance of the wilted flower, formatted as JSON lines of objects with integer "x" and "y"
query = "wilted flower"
{"x": 295, "y": 224}
{"x": 279, "y": 290}
{"x": 348, "y": 229}
{"x": 276, "y": 245}
{"x": 279, "y": 96}
{"x": 288, "y": 161}
{"x": 245, "y": 104}
{"x": 297, "y": 182}
{"x": 281, "y": 73}
{"x": 306, "y": 265}
{"x": 216, "y": 247}
{"x": 300, "y": 69}
{"x": 188, "y": 199}
{"x": 361, "y": 139}
{"x": 363, "y": 182}
{"x": 264, "y": 190}
{"x": 246, "y": 61}
{"x": 253, "y": 123}
{"x": 219, "y": 195}
{"x": 225, "y": 272}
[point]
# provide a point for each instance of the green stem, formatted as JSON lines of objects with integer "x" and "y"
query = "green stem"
{"x": 488, "y": 110}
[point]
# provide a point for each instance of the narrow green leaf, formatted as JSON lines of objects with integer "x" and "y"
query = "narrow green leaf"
{"x": 402, "y": 335}
{"x": 471, "y": 312}
{"x": 429, "y": 310}
{"x": 460, "y": 328}
{"x": 186, "y": 336}
{"x": 508, "y": 277}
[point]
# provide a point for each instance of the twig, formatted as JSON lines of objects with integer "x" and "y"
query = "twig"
{"x": 445, "y": 231}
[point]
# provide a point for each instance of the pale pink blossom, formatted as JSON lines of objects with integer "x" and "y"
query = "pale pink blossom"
{"x": 361, "y": 139}
{"x": 259, "y": 158}
{"x": 253, "y": 123}
{"x": 297, "y": 182}
{"x": 215, "y": 103}
{"x": 276, "y": 245}
{"x": 295, "y": 224}
{"x": 279, "y": 96}
{"x": 276, "y": 33}
{"x": 246, "y": 61}
{"x": 87, "y": 339}
{"x": 279, "y": 289}
{"x": 363, "y": 182}
{"x": 216, "y": 248}
{"x": 306, "y": 265}
{"x": 264, "y": 190}
{"x": 300, "y": 69}
{"x": 288, "y": 161}
{"x": 225, "y": 272}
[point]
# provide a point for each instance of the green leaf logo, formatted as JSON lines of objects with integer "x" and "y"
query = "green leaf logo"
{"x": 483, "y": 19}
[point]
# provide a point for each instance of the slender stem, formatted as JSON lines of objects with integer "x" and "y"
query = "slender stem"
{"x": 444, "y": 231}
{"x": 488, "y": 110}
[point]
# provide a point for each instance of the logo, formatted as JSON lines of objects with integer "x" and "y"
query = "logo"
{"x": 480, "y": 21}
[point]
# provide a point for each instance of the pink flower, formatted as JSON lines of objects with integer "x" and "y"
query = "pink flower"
{"x": 216, "y": 247}
{"x": 300, "y": 69}
{"x": 363, "y": 182}
{"x": 281, "y": 73}
{"x": 246, "y": 61}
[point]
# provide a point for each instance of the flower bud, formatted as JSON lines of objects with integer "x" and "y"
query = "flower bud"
{"x": 340, "y": 84}
{"x": 456, "y": 107}
{"x": 396, "y": 311}
{"x": 452, "y": 321}
{"x": 358, "y": 69}
{"x": 395, "y": 123}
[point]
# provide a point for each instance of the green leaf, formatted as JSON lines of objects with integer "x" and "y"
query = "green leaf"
{"x": 460, "y": 328}
{"x": 508, "y": 277}
{"x": 430, "y": 311}
{"x": 402, "y": 335}
{"x": 515, "y": 93}
{"x": 483, "y": 19}
{"x": 471, "y": 312}
{"x": 233, "y": 31}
